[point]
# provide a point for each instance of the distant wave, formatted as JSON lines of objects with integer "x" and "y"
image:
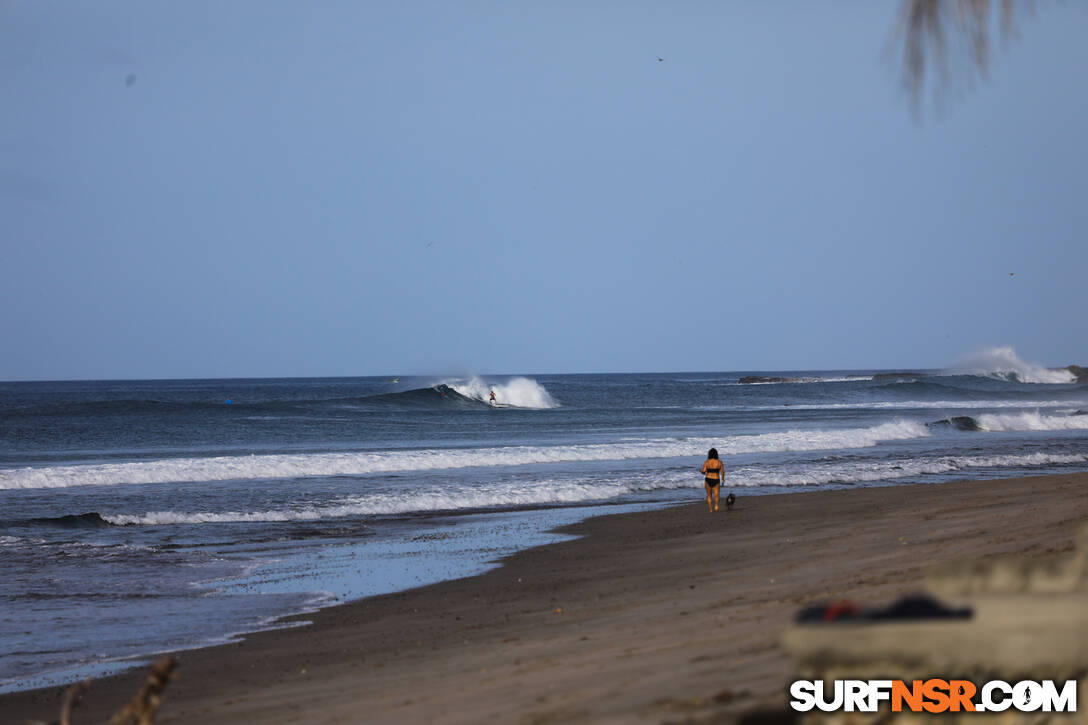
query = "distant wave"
{"x": 1031, "y": 421}
{"x": 978, "y": 391}
{"x": 1013, "y": 422}
{"x": 436, "y": 395}
{"x": 942, "y": 404}
{"x": 224, "y": 468}
{"x": 472, "y": 392}
{"x": 430, "y": 396}
{"x": 943, "y": 385}
{"x": 998, "y": 363}
{"x": 469, "y": 393}
{"x": 1004, "y": 364}
{"x": 873, "y": 471}
{"x": 779, "y": 379}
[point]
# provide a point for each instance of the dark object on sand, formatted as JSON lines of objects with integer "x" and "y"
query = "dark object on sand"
{"x": 844, "y": 609}
{"x": 919, "y": 606}
{"x": 914, "y": 606}
{"x": 730, "y": 500}
{"x": 959, "y": 422}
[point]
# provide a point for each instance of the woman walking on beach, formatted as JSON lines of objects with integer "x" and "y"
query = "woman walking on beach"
{"x": 713, "y": 470}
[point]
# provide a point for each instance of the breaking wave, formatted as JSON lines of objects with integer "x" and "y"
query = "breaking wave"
{"x": 1013, "y": 422}
{"x": 551, "y": 492}
{"x": 430, "y": 498}
{"x": 912, "y": 404}
{"x": 435, "y": 395}
{"x": 1031, "y": 421}
{"x": 873, "y": 471}
{"x": 515, "y": 392}
{"x": 1004, "y": 364}
{"x": 226, "y": 468}
{"x": 471, "y": 393}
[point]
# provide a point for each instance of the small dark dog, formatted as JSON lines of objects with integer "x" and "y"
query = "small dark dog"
{"x": 730, "y": 500}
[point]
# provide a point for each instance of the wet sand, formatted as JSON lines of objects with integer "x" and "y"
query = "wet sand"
{"x": 662, "y": 616}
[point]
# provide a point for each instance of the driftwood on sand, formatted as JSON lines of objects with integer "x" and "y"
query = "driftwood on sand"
{"x": 140, "y": 710}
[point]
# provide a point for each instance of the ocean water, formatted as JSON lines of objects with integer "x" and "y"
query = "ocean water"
{"x": 142, "y": 516}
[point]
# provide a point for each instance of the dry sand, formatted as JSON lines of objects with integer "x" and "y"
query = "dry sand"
{"x": 663, "y": 616}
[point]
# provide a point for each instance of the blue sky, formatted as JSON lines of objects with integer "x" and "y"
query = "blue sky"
{"x": 272, "y": 189}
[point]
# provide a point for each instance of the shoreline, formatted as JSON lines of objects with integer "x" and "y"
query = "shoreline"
{"x": 535, "y": 527}
{"x": 654, "y": 615}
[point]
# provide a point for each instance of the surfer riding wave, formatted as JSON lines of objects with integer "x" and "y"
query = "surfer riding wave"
{"x": 516, "y": 392}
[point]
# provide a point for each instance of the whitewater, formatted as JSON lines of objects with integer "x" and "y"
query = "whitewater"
{"x": 359, "y": 464}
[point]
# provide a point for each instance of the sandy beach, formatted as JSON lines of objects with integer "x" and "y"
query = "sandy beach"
{"x": 673, "y": 615}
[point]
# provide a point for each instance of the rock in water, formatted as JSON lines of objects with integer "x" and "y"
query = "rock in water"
{"x": 959, "y": 422}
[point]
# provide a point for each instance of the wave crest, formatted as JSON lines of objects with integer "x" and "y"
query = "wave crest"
{"x": 1031, "y": 421}
{"x": 537, "y": 493}
{"x": 551, "y": 492}
{"x": 306, "y": 465}
{"x": 515, "y": 392}
{"x": 890, "y": 470}
{"x": 1004, "y": 364}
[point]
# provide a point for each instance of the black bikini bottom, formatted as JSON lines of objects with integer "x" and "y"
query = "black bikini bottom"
{"x": 712, "y": 482}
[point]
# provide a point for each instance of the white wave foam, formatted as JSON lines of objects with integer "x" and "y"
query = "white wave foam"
{"x": 870, "y": 471}
{"x": 1003, "y": 363}
{"x": 516, "y": 392}
{"x": 794, "y": 381}
{"x": 905, "y": 405}
{"x": 546, "y": 491}
{"x": 226, "y": 468}
{"x": 445, "y": 498}
{"x": 1031, "y": 421}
